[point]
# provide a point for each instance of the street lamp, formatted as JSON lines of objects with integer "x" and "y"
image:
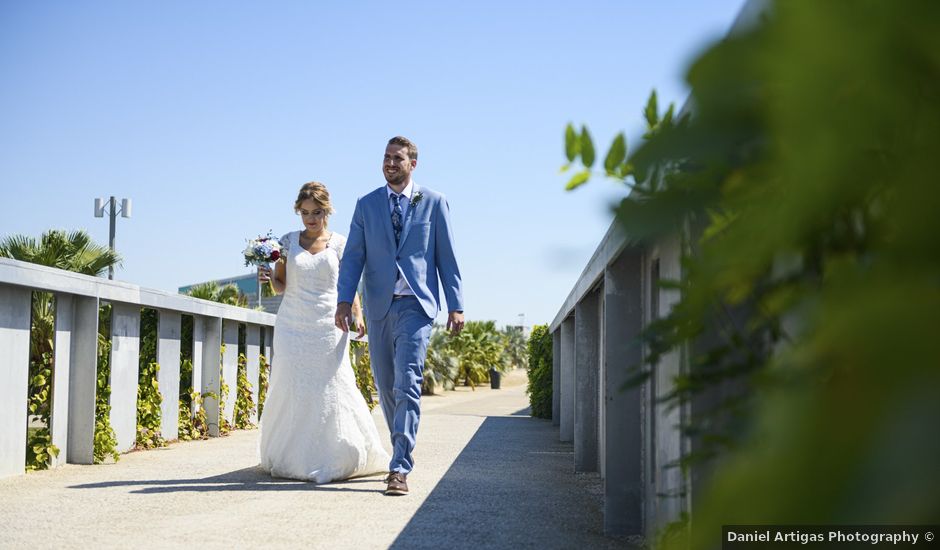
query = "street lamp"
{"x": 101, "y": 206}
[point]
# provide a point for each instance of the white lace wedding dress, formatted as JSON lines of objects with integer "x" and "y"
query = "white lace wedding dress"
{"x": 315, "y": 425}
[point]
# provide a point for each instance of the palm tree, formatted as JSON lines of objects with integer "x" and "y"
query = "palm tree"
{"x": 441, "y": 365}
{"x": 479, "y": 348}
{"x": 212, "y": 291}
{"x": 516, "y": 349}
{"x": 73, "y": 251}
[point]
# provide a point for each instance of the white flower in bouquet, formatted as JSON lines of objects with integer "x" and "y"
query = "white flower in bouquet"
{"x": 262, "y": 250}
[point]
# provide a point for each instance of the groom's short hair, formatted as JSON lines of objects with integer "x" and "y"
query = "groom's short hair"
{"x": 407, "y": 143}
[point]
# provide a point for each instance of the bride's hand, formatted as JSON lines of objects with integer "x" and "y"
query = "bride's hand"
{"x": 264, "y": 273}
{"x": 358, "y": 325}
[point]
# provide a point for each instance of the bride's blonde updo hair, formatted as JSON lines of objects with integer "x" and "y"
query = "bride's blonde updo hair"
{"x": 316, "y": 191}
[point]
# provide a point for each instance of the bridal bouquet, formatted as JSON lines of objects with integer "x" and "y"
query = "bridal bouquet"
{"x": 263, "y": 250}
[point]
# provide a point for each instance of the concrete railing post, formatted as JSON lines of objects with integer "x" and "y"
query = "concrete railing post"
{"x": 199, "y": 338}
{"x": 268, "y": 343}
{"x": 566, "y": 404}
{"x": 168, "y": 355}
{"x": 62, "y": 348}
{"x": 15, "y": 307}
{"x": 125, "y": 369}
{"x": 230, "y": 367}
{"x": 252, "y": 352}
{"x": 587, "y": 342}
{"x": 556, "y": 378}
{"x": 83, "y": 380}
{"x": 623, "y": 321}
{"x": 210, "y": 346}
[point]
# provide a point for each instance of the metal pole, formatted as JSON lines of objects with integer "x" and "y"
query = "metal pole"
{"x": 113, "y": 212}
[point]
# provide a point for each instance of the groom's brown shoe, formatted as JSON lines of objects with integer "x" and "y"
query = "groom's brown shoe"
{"x": 396, "y": 484}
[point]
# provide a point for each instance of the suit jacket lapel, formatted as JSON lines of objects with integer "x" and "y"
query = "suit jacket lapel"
{"x": 409, "y": 215}
{"x": 382, "y": 203}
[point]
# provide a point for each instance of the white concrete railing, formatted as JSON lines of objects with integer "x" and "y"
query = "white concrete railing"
{"x": 72, "y": 422}
{"x": 620, "y": 432}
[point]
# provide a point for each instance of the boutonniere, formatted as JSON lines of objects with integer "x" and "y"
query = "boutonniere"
{"x": 416, "y": 198}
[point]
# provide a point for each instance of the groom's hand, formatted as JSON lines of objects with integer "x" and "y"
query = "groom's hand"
{"x": 455, "y": 322}
{"x": 343, "y": 315}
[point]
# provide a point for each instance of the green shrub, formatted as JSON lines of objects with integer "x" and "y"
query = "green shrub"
{"x": 359, "y": 359}
{"x": 264, "y": 372}
{"x": 105, "y": 444}
{"x": 149, "y": 415}
{"x": 244, "y": 403}
{"x": 149, "y": 399}
{"x": 39, "y": 448}
{"x": 540, "y": 372}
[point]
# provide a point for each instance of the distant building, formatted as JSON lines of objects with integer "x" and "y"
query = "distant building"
{"x": 248, "y": 285}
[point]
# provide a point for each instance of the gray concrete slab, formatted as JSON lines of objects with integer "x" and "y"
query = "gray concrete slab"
{"x": 486, "y": 476}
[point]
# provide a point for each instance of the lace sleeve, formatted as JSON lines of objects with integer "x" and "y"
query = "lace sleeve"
{"x": 339, "y": 243}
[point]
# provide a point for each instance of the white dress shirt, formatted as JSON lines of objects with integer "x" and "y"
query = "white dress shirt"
{"x": 401, "y": 284}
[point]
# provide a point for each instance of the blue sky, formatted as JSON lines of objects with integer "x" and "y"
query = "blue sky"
{"x": 210, "y": 115}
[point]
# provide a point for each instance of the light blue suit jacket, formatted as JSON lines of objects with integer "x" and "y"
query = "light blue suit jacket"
{"x": 425, "y": 251}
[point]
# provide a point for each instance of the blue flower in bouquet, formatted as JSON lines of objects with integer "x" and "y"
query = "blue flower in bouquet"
{"x": 262, "y": 250}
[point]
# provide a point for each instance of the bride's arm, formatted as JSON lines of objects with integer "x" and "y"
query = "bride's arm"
{"x": 278, "y": 277}
{"x": 357, "y": 313}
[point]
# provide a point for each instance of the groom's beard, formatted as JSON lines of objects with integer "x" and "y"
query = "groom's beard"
{"x": 396, "y": 179}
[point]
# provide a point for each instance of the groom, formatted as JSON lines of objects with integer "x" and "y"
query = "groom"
{"x": 401, "y": 237}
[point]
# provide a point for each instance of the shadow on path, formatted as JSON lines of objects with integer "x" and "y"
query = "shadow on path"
{"x": 513, "y": 486}
{"x": 246, "y": 479}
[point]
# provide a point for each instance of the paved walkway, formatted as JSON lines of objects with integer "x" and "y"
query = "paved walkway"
{"x": 487, "y": 476}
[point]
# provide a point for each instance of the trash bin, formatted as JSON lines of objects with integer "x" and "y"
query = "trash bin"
{"x": 495, "y": 376}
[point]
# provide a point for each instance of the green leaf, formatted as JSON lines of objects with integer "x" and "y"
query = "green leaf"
{"x": 624, "y": 170}
{"x": 651, "y": 113}
{"x": 667, "y": 118}
{"x": 616, "y": 154}
{"x": 564, "y": 168}
{"x": 587, "y": 148}
{"x": 578, "y": 180}
{"x": 571, "y": 143}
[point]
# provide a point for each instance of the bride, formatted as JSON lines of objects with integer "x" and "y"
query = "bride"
{"x": 315, "y": 426}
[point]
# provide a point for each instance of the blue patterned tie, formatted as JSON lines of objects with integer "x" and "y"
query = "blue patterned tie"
{"x": 396, "y": 216}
